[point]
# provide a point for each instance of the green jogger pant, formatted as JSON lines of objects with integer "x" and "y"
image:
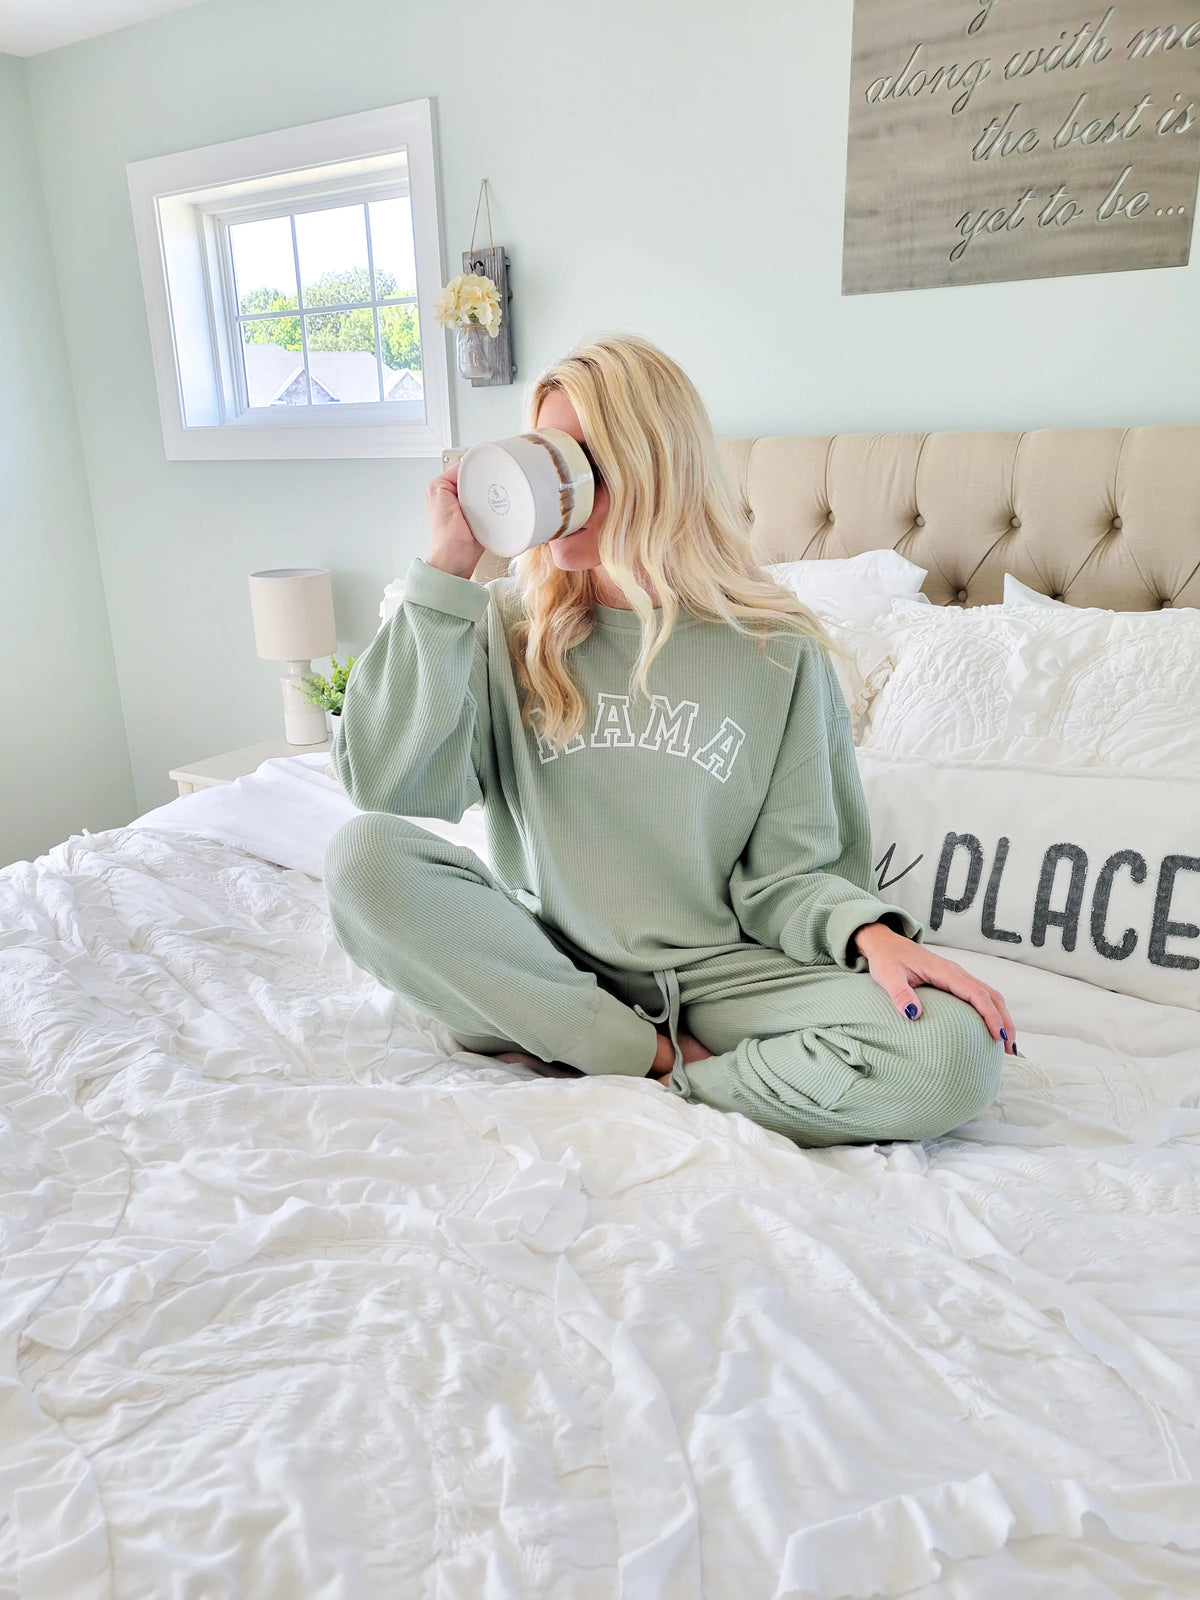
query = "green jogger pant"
{"x": 816, "y": 1053}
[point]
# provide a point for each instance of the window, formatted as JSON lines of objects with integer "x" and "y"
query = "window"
{"x": 349, "y": 269}
{"x": 290, "y": 281}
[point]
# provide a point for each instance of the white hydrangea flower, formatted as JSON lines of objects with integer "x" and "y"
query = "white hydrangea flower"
{"x": 469, "y": 297}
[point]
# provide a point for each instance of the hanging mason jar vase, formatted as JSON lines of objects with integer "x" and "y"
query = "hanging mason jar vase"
{"x": 474, "y": 304}
{"x": 471, "y": 348}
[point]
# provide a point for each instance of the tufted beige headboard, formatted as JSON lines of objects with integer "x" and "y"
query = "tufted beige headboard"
{"x": 1095, "y": 516}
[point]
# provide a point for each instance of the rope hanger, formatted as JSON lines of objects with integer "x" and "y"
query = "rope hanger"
{"x": 485, "y": 199}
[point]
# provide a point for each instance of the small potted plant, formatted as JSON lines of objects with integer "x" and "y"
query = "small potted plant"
{"x": 331, "y": 691}
{"x": 470, "y": 304}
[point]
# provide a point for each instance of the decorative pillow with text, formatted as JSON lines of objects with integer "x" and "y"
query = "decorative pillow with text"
{"x": 1094, "y": 876}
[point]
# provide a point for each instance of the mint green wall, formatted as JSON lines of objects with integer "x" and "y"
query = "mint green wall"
{"x": 673, "y": 167}
{"x": 64, "y": 764}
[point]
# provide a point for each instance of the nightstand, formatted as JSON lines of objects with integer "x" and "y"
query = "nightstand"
{"x": 237, "y": 763}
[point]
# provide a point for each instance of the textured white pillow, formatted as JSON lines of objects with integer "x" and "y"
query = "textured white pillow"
{"x": 1048, "y": 686}
{"x": 1095, "y": 877}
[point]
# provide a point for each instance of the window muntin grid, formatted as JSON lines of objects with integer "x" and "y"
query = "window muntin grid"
{"x": 313, "y": 311}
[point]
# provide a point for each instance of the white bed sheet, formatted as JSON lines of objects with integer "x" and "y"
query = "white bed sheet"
{"x": 300, "y": 1299}
{"x": 286, "y": 812}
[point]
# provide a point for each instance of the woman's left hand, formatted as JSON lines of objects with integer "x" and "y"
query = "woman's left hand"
{"x": 898, "y": 964}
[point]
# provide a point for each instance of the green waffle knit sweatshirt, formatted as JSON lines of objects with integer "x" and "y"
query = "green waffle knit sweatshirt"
{"x": 727, "y": 809}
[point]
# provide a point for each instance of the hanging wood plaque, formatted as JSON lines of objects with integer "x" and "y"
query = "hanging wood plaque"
{"x": 998, "y": 139}
{"x": 493, "y": 263}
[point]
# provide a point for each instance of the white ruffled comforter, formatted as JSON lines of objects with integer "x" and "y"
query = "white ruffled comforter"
{"x": 301, "y": 1301}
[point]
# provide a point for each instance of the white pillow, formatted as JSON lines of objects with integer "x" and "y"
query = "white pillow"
{"x": 952, "y": 681}
{"x": 1094, "y": 877}
{"x": 390, "y": 604}
{"x": 1044, "y": 685}
{"x": 1017, "y": 593}
{"x": 852, "y": 595}
{"x": 857, "y": 589}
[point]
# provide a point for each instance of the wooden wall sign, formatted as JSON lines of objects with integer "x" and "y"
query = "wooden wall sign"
{"x": 996, "y": 139}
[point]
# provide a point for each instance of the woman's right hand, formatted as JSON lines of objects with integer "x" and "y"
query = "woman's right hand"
{"x": 455, "y": 548}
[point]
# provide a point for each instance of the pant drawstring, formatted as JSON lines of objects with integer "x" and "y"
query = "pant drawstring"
{"x": 668, "y": 986}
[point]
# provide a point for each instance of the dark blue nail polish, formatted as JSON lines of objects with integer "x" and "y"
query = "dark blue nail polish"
{"x": 910, "y": 1011}
{"x": 1004, "y": 1035}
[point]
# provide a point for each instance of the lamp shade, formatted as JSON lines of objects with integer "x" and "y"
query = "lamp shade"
{"x": 293, "y": 613}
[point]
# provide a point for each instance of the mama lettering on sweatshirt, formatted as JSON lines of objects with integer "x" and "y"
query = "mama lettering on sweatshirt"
{"x": 669, "y": 730}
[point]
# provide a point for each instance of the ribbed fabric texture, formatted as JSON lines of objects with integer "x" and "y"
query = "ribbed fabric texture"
{"x": 719, "y": 830}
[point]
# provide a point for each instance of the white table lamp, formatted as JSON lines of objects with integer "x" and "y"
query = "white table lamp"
{"x": 293, "y": 622}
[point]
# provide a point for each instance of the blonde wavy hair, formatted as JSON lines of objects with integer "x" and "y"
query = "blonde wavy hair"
{"x": 674, "y": 522}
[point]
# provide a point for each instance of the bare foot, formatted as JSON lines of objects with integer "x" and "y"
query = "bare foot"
{"x": 518, "y": 1055}
{"x": 690, "y": 1049}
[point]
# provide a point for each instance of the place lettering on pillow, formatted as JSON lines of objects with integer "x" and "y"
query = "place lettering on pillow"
{"x": 1096, "y": 877}
{"x": 1060, "y": 901}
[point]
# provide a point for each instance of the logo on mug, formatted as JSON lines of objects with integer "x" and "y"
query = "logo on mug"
{"x": 498, "y": 499}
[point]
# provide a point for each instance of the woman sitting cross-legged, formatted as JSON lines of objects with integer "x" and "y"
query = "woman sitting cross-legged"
{"x": 680, "y": 884}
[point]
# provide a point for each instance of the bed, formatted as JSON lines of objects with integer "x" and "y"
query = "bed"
{"x": 302, "y": 1299}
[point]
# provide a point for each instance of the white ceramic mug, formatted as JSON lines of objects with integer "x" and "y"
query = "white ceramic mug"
{"x": 517, "y": 493}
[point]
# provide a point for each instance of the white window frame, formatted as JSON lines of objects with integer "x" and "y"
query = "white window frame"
{"x": 182, "y": 207}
